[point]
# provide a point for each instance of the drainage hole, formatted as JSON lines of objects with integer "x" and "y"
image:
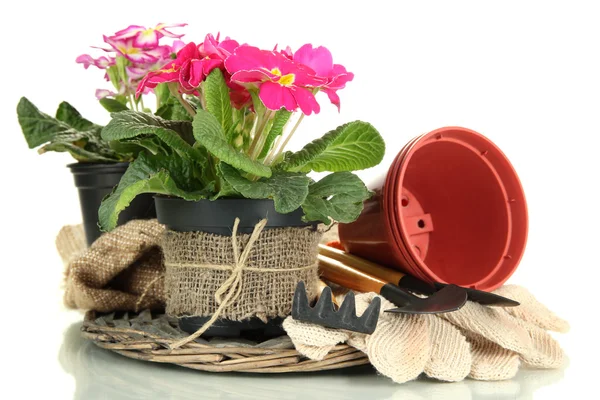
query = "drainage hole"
{"x": 404, "y": 202}
{"x": 421, "y": 224}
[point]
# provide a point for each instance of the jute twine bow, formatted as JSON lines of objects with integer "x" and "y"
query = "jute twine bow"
{"x": 231, "y": 289}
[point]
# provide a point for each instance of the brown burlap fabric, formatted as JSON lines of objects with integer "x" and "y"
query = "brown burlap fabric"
{"x": 198, "y": 265}
{"x": 121, "y": 271}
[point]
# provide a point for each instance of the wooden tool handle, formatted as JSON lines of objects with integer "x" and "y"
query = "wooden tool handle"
{"x": 337, "y": 272}
{"x": 386, "y": 274}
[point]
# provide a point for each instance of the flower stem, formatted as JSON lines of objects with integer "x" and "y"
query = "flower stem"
{"x": 277, "y": 153}
{"x": 261, "y": 136}
{"x": 188, "y": 107}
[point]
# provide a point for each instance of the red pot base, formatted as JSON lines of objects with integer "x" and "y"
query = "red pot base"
{"x": 453, "y": 211}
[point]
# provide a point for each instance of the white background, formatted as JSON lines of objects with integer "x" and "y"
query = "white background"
{"x": 525, "y": 74}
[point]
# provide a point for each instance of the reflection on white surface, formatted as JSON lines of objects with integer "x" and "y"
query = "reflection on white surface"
{"x": 102, "y": 374}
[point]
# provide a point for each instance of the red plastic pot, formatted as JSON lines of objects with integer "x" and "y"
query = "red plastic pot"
{"x": 451, "y": 209}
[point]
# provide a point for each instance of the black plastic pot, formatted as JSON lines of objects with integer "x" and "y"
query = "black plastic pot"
{"x": 96, "y": 180}
{"x": 217, "y": 217}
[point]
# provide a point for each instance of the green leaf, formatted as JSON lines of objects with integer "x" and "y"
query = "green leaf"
{"x": 113, "y": 75}
{"x": 162, "y": 93}
{"x": 68, "y": 132}
{"x": 338, "y": 196}
{"x": 38, "y": 127}
{"x": 279, "y": 120}
{"x": 209, "y": 133}
{"x": 287, "y": 189}
{"x": 112, "y": 105}
{"x": 350, "y": 147}
{"x": 69, "y": 115}
{"x": 218, "y": 103}
{"x": 130, "y": 124}
{"x": 259, "y": 107}
{"x": 78, "y": 153}
{"x": 164, "y": 174}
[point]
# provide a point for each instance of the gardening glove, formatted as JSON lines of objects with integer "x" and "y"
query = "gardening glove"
{"x": 502, "y": 338}
{"x": 401, "y": 347}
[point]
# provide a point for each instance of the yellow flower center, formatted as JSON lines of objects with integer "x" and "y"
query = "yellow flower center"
{"x": 284, "y": 80}
{"x": 172, "y": 69}
{"x": 125, "y": 50}
{"x": 287, "y": 80}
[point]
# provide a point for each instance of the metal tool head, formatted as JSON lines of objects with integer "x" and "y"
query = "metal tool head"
{"x": 486, "y": 298}
{"x": 325, "y": 314}
{"x": 448, "y": 299}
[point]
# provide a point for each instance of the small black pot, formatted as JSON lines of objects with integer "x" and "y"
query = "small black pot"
{"x": 217, "y": 217}
{"x": 94, "y": 181}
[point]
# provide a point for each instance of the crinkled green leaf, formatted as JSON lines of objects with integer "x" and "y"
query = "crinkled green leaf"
{"x": 218, "y": 103}
{"x": 160, "y": 174}
{"x": 69, "y": 127}
{"x": 209, "y": 133}
{"x": 69, "y": 115}
{"x": 338, "y": 196}
{"x": 78, "y": 153}
{"x": 350, "y": 147}
{"x": 112, "y": 105}
{"x": 130, "y": 124}
{"x": 287, "y": 189}
{"x": 279, "y": 120}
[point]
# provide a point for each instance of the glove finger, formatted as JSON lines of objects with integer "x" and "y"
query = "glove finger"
{"x": 399, "y": 347}
{"x": 489, "y": 361}
{"x": 546, "y": 352}
{"x": 493, "y": 324}
{"x": 313, "y": 335}
{"x": 449, "y": 352}
{"x": 313, "y": 352}
{"x": 531, "y": 310}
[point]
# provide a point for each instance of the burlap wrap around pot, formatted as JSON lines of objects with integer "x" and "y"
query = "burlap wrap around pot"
{"x": 258, "y": 275}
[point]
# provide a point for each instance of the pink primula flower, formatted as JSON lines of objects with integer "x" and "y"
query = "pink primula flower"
{"x": 146, "y": 38}
{"x": 320, "y": 60}
{"x": 281, "y": 82}
{"x": 187, "y": 69}
{"x": 192, "y": 65}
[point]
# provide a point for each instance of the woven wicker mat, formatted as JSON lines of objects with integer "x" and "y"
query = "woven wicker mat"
{"x": 146, "y": 336}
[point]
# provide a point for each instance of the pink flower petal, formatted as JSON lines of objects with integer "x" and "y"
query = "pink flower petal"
{"x": 86, "y": 60}
{"x": 318, "y": 59}
{"x": 162, "y": 28}
{"x": 128, "y": 32}
{"x": 177, "y": 45}
{"x": 146, "y": 39}
{"x": 191, "y": 74}
{"x": 274, "y": 96}
{"x": 333, "y": 97}
{"x": 209, "y": 64}
{"x": 251, "y": 76}
{"x": 102, "y": 93}
{"x": 136, "y": 72}
{"x": 306, "y": 100}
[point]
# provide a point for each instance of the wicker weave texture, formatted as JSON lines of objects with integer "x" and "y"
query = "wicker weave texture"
{"x": 147, "y": 337}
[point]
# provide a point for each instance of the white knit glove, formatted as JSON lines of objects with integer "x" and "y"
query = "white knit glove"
{"x": 501, "y": 338}
{"x": 481, "y": 342}
{"x": 401, "y": 347}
